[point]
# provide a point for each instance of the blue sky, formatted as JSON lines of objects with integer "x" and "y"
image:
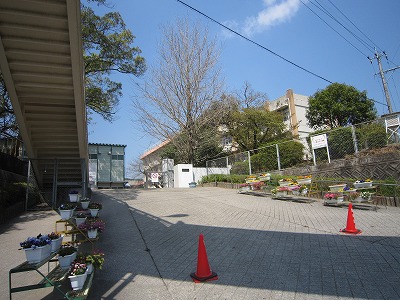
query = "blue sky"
{"x": 286, "y": 27}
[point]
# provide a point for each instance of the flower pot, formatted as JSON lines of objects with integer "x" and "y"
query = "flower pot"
{"x": 304, "y": 181}
{"x": 92, "y": 233}
{"x": 337, "y": 187}
{"x": 363, "y": 184}
{"x": 66, "y": 261}
{"x": 94, "y": 211}
{"x": 296, "y": 192}
{"x": 73, "y": 197}
{"x": 85, "y": 204}
{"x": 77, "y": 281}
{"x": 35, "y": 255}
{"x": 244, "y": 188}
{"x": 66, "y": 214}
{"x": 281, "y": 193}
{"x": 334, "y": 201}
{"x": 264, "y": 178}
{"x": 284, "y": 183}
{"x": 89, "y": 269}
{"x": 79, "y": 221}
{"x": 56, "y": 244}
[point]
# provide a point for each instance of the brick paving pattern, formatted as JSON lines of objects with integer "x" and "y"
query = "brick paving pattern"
{"x": 260, "y": 248}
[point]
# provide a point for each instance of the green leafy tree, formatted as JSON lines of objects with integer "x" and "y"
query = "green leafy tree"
{"x": 252, "y": 127}
{"x": 108, "y": 47}
{"x": 339, "y": 105}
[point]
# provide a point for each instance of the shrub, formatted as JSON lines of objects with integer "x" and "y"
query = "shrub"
{"x": 240, "y": 168}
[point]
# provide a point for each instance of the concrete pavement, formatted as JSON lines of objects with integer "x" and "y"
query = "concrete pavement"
{"x": 260, "y": 248}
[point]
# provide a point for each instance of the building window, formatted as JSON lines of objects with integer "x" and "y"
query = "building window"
{"x": 227, "y": 141}
{"x": 117, "y": 157}
{"x": 92, "y": 156}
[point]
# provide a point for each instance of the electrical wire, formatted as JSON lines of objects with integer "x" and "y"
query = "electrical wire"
{"x": 326, "y": 11}
{"x": 332, "y": 27}
{"x": 253, "y": 42}
{"x": 373, "y": 44}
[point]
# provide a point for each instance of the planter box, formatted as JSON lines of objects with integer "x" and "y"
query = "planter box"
{"x": 77, "y": 281}
{"x": 35, "y": 255}
{"x": 362, "y": 185}
{"x": 281, "y": 193}
{"x": 264, "y": 178}
{"x": 284, "y": 183}
{"x": 333, "y": 201}
{"x": 56, "y": 244}
{"x": 66, "y": 261}
{"x": 337, "y": 187}
{"x": 304, "y": 181}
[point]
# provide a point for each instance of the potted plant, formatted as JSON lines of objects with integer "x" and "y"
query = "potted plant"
{"x": 354, "y": 196}
{"x": 365, "y": 196}
{"x": 36, "y": 248}
{"x": 80, "y": 217}
{"x": 92, "y": 260}
{"x": 251, "y": 178}
{"x": 282, "y": 191}
{"x": 66, "y": 210}
{"x": 363, "y": 183}
{"x": 295, "y": 189}
{"x": 74, "y": 196}
{"x": 285, "y": 181}
{"x": 304, "y": 179}
{"x": 66, "y": 255}
{"x": 77, "y": 275}
{"x": 264, "y": 177}
{"x": 332, "y": 198}
{"x": 94, "y": 208}
{"x": 303, "y": 190}
{"x": 92, "y": 226}
{"x": 85, "y": 202}
{"x": 243, "y": 187}
{"x": 56, "y": 241}
{"x": 257, "y": 185}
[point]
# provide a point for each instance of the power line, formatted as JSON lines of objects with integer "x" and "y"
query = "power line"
{"x": 374, "y": 45}
{"x": 255, "y": 43}
{"x": 331, "y": 26}
{"x": 326, "y": 11}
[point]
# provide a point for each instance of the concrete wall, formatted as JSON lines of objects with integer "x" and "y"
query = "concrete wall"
{"x": 200, "y": 172}
{"x": 183, "y": 175}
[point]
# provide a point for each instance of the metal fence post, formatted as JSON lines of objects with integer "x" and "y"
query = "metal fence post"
{"x": 278, "y": 157}
{"x": 353, "y": 133}
{"x": 248, "y": 156}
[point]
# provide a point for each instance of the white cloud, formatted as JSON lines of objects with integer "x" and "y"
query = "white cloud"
{"x": 275, "y": 12}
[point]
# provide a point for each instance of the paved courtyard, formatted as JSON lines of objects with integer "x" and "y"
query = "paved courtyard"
{"x": 260, "y": 248}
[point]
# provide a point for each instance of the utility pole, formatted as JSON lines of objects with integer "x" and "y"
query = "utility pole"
{"x": 378, "y": 56}
{"x": 382, "y": 72}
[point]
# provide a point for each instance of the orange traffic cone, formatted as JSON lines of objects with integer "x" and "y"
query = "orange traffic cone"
{"x": 203, "y": 272}
{"x": 351, "y": 225}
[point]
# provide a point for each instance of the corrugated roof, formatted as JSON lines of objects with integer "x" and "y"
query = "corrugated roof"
{"x": 105, "y": 144}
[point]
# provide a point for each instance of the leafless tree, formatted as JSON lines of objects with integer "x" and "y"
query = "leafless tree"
{"x": 182, "y": 88}
{"x": 250, "y": 98}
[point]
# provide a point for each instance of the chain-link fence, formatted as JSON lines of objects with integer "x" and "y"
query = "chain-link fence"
{"x": 339, "y": 143}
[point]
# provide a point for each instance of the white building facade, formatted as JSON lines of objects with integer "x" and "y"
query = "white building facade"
{"x": 293, "y": 108}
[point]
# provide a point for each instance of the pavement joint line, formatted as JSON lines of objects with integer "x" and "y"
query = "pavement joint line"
{"x": 148, "y": 250}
